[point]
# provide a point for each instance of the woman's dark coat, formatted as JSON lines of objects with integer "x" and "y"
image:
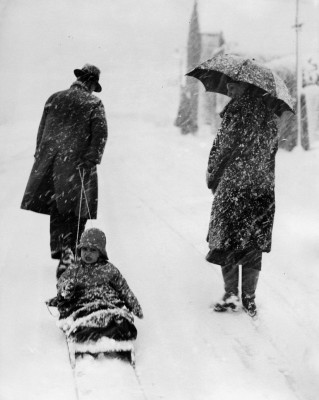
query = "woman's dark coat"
{"x": 241, "y": 173}
{"x": 73, "y": 129}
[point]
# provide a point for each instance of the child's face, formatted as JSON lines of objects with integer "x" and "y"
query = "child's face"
{"x": 89, "y": 255}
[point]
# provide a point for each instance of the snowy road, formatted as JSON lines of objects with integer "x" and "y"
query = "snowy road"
{"x": 154, "y": 208}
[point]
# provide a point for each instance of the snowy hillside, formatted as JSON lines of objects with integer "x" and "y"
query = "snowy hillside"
{"x": 154, "y": 207}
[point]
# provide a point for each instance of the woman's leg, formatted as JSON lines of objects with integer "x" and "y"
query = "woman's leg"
{"x": 66, "y": 226}
{"x": 230, "y": 299}
{"x": 230, "y": 276}
{"x": 251, "y": 266}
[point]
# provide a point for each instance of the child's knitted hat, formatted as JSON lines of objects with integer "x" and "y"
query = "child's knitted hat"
{"x": 94, "y": 237}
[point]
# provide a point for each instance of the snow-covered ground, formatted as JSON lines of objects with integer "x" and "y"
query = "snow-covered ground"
{"x": 154, "y": 208}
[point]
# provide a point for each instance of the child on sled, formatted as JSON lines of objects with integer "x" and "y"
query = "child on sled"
{"x": 94, "y": 300}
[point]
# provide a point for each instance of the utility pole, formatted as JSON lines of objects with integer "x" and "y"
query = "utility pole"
{"x": 298, "y": 26}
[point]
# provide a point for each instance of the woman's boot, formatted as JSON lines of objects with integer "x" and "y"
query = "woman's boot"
{"x": 249, "y": 285}
{"x": 230, "y": 300}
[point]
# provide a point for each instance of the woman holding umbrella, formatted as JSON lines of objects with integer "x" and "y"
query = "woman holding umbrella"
{"x": 241, "y": 175}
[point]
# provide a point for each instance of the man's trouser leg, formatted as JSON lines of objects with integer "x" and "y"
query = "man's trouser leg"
{"x": 65, "y": 225}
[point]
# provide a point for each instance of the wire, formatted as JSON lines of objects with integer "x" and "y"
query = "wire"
{"x": 79, "y": 217}
{"x": 83, "y": 190}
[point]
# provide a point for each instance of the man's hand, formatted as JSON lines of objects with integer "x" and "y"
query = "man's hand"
{"x": 86, "y": 164}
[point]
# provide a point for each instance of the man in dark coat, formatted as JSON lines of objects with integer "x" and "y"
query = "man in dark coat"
{"x": 70, "y": 143}
{"x": 241, "y": 173}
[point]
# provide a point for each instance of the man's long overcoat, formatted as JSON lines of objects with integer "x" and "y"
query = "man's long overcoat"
{"x": 241, "y": 172}
{"x": 73, "y": 129}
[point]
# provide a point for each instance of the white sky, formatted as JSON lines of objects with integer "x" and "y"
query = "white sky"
{"x": 265, "y": 26}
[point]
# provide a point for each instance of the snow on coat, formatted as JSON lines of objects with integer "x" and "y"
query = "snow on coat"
{"x": 73, "y": 129}
{"x": 241, "y": 173}
{"x": 100, "y": 284}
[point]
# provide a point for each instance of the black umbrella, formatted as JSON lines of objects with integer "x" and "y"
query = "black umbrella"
{"x": 222, "y": 69}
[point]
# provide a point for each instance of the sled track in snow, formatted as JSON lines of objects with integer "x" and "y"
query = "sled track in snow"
{"x": 140, "y": 383}
{"x": 77, "y": 396}
{"x": 273, "y": 358}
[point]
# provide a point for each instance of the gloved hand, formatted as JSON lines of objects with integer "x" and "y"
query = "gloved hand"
{"x": 68, "y": 290}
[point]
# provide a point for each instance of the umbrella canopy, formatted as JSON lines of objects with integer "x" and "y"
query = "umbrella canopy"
{"x": 222, "y": 69}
